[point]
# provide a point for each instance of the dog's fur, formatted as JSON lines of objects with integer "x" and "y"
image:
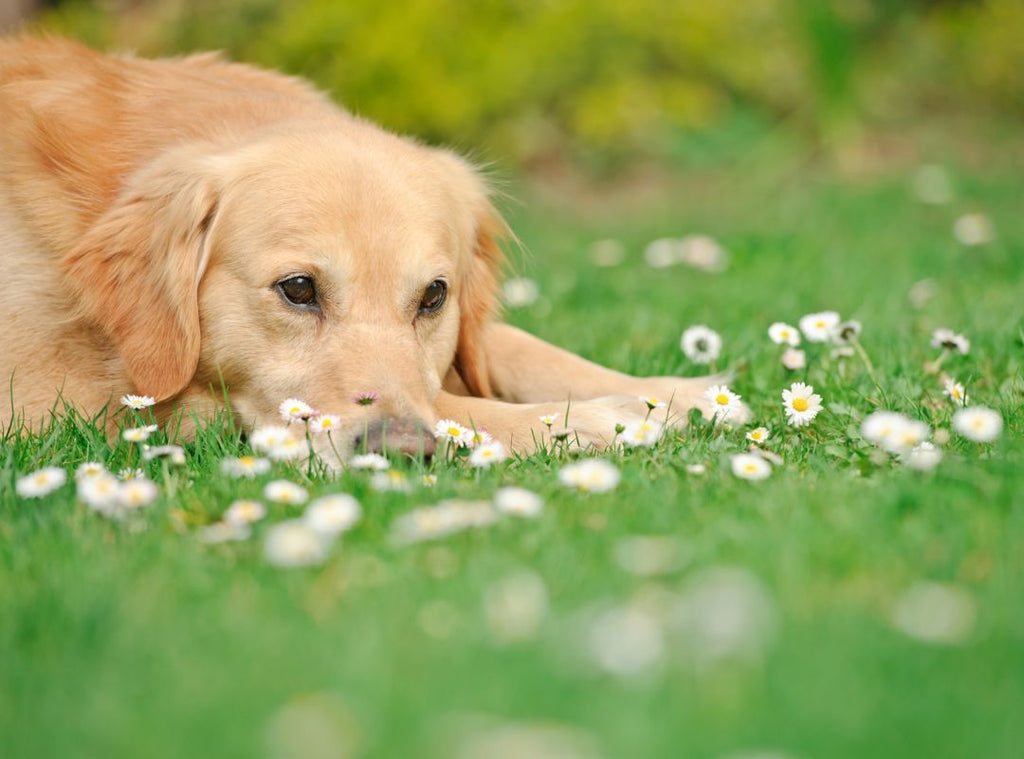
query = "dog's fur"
{"x": 149, "y": 208}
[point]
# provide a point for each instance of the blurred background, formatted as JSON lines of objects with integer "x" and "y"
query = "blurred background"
{"x": 598, "y": 91}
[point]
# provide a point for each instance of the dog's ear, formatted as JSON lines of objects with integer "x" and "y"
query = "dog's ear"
{"x": 136, "y": 272}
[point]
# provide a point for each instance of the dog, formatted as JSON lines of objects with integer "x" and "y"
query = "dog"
{"x": 211, "y": 234}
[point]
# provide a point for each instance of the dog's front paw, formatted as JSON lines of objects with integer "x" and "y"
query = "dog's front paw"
{"x": 680, "y": 394}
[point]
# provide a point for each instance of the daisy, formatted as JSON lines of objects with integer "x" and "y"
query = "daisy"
{"x": 696, "y": 469}
{"x": 519, "y": 502}
{"x": 879, "y": 427}
{"x": 324, "y": 423}
{"x": 283, "y": 491}
{"x": 289, "y": 449}
{"x": 908, "y": 434}
{"x": 923, "y": 457}
{"x": 244, "y": 511}
{"x": 137, "y": 402}
{"x": 41, "y": 482}
{"x": 519, "y": 292}
{"x": 265, "y": 439}
{"x": 704, "y": 253}
{"x": 98, "y": 491}
{"x": 723, "y": 402}
{"x": 487, "y": 453}
{"x": 139, "y": 434}
{"x": 126, "y": 475}
{"x": 136, "y": 492}
{"x": 801, "y": 404}
{"x": 662, "y": 253}
{"x": 174, "y": 454}
{"x": 955, "y": 392}
{"x": 846, "y": 332}
{"x": 294, "y": 544}
{"x": 366, "y": 399}
{"x": 651, "y": 402}
{"x": 794, "y": 359}
{"x": 973, "y": 229}
{"x": 452, "y": 431}
{"x": 590, "y": 476}
{"x": 749, "y": 466}
{"x": 701, "y": 344}
{"x": 293, "y": 409}
{"x": 90, "y": 469}
{"x": 369, "y": 461}
{"x": 784, "y": 334}
{"x": 950, "y": 340}
{"x": 428, "y": 480}
{"x": 223, "y": 532}
{"x": 549, "y": 419}
{"x": 977, "y": 423}
{"x": 817, "y": 328}
{"x": 843, "y": 351}
{"x": 759, "y": 435}
{"x": 332, "y": 514}
{"x": 641, "y": 434}
{"x": 479, "y": 437}
{"x": 245, "y": 466}
{"x": 390, "y": 480}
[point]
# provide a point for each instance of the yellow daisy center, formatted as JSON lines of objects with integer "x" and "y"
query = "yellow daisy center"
{"x": 454, "y": 431}
{"x": 750, "y": 467}
{"x": 722, "y": 399}
{"x": 325, "y": 423}
{"x": 819, "y": 324}
{"x": 246, "y": 460}
{"x": 756, "y": 435}
{"x": 784, "y": 334}
{"x": 41, "y": 479}
{"x": 800, "y": 404}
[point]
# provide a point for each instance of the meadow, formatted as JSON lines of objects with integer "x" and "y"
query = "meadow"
{"x": 847, "y": 605}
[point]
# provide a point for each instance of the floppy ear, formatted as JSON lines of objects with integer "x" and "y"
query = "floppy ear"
{"x": 136, "y": 272}
{"x": 478, "y": 298}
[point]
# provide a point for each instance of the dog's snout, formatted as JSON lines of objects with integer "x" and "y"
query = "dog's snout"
{"x": 407, "y": 436}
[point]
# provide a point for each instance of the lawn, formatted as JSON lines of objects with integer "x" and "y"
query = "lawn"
{"x": 846, "y": 606}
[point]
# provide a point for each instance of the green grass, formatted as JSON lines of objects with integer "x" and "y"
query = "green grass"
{"x": 133, "y": 639}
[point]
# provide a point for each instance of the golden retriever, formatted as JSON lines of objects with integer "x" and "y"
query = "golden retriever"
{"x": 197, "y": 230}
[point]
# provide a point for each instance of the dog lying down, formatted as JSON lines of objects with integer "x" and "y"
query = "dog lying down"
{"x": 190, "y": 228}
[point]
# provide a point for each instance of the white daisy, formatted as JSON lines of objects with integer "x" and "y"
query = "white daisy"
{"x": 40, "y": 482}
{"x": 444, "y": 519}
{"x": 936, "y": 613}
{"x": 784, "y": 334}
{"x": 549, "y": 419}
{"x": 90, "y": 469}
{"x": 662, "y": 253}
{"x": 369, "y": 461}
{"x": 974, "y": 229}
{"x": 519, "y": 502}
{"x": 801, "y": 404}
{"x": 950, "y": 340}
{"x": 519, "y": 292}
{"x": 907, "y": 435}
{"x": 846, "y": 332}
{"x": 651, "y": 402}
{"x": 290, "y": 449}
{"x": 428, "y": 480}
{"x": 294, "y": 544}
{"x": 333, "y": 514}
{"x": 244, "y": 511}
{"x": 325, "y": 423}
{"x": 283, "y": 491}
{"x": 978, "y": 423}
{"x": 923, "y": 457}
{"x": 794, "y": 359}
{"x": 843, "y": 351}
{"x": 696, "y": 469}
{"x": 749, "y": 466}
{"x": 817, "y": 327}
{"x": 293, "y": 409}
{"x": 759, "y": 435}
{"x": 137, "y": 402}
{"x": 723, "y": 402}
{"x": 223, "y": 532}
{"x": 701, "y": 344}
{"x": 175, "y": 454}
{"x": 245, "y": 466}
{"x": 265, "y": 439}
{"x": 98, "y": 491}
{"x": 590, "y": 476}
{"x": 479, "y": 437}
{"x": 881, "y": 427}
{"x": 643, "y": 433}
{"x": 125, "y": 475}
{"x": 488, "y": 453}
{"x": 955, "y": 392}
{"x": 390, "y": 480}
{"x": 138, "y": 434}
{"x": 704, "y": 253}
{"x": 136, "y": 492}
{"x": 451, "y": 431}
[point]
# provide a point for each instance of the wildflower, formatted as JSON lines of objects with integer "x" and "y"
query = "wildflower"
{"x": 40, "y": 482}
{"x": 843, "y": 351}
{"x": 641, "y": 434}
{"x": 702, "y": 252}
{"x": 978, "y": 423}
{"x": 724, "y": 403}
{"x": 880, "y": 427}
{"x": 390, "y": 480}
{"x": 223, "y": 532}
{"x": 136, "y": 492}
{"x": 784, "y": 334}
{"x": 488, "y": 453}
{"x": 973, "y": 229}
{"x": 625, "y": 641}
{"x": 662, "y": 253}
{"x": 289, "y": 449}
{"x": 126, "y": 475}
{"x": 651, "y": 402}
{"x": 283, "y": 491}
{"x": 479, "y": 437}
{"x": 696, "y": 470}
{"x": 244, "y": 511}
{"x": 139, "y": 434}
{"x": 908, "y": 434}
{"x": 519, "y": 292}
{"x": 445, "y": 518}
{"x": 428, "y": 480}
{"x": 137, "y": 402}
{"x": 923, "y": 457}
{"x": 514, "y": 609}
{"x": 955, "y": 392}
{"x": 519, "y": 502}
{"x": 935, "y": 613}
{"x": 89, "y": 469}
{"x": 590, "y": 476}
{"x": 294, "y": 544}
{"x": 369, "y": 461}
{"x": 293, "y": 409}
{"x": 98, "y": 491}
{"x": 324, "y": 423}
{"x": 759, "y": 435}
{"x": 846, "y": 332}
{"x": 265, "y": 439}
{"x": 817, "y": 328}
{"x": 367, "y": 398}
{"x": 452, "y": 431}
{"x": 794, "y": 359}
{"x": 950, "y": 340}
{"x": 549, "y": 419}
{"x": 175, "y": 454}
{"x": 332, "y": 514}
{"x": 749, "y": 466}
{"x": 701, "y": 344}
{"x": 563, "y": 434}
{"x": 245, "y": 466}
{"x": 801, "y": 404}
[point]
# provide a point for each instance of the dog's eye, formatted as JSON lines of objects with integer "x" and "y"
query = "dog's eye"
{"x": 298, "y": 290}
{"x": 434, "y": 296}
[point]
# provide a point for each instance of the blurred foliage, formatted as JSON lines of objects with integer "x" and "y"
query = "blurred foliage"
{"x": 545, "y": 80}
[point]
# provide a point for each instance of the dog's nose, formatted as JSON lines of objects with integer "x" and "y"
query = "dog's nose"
{"x": 402, "y": 435}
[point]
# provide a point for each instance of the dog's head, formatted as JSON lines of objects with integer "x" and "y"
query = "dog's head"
{"x": 319, "y": 266}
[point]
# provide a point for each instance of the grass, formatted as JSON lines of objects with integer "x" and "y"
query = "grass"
{"x": 133, "y": 639}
